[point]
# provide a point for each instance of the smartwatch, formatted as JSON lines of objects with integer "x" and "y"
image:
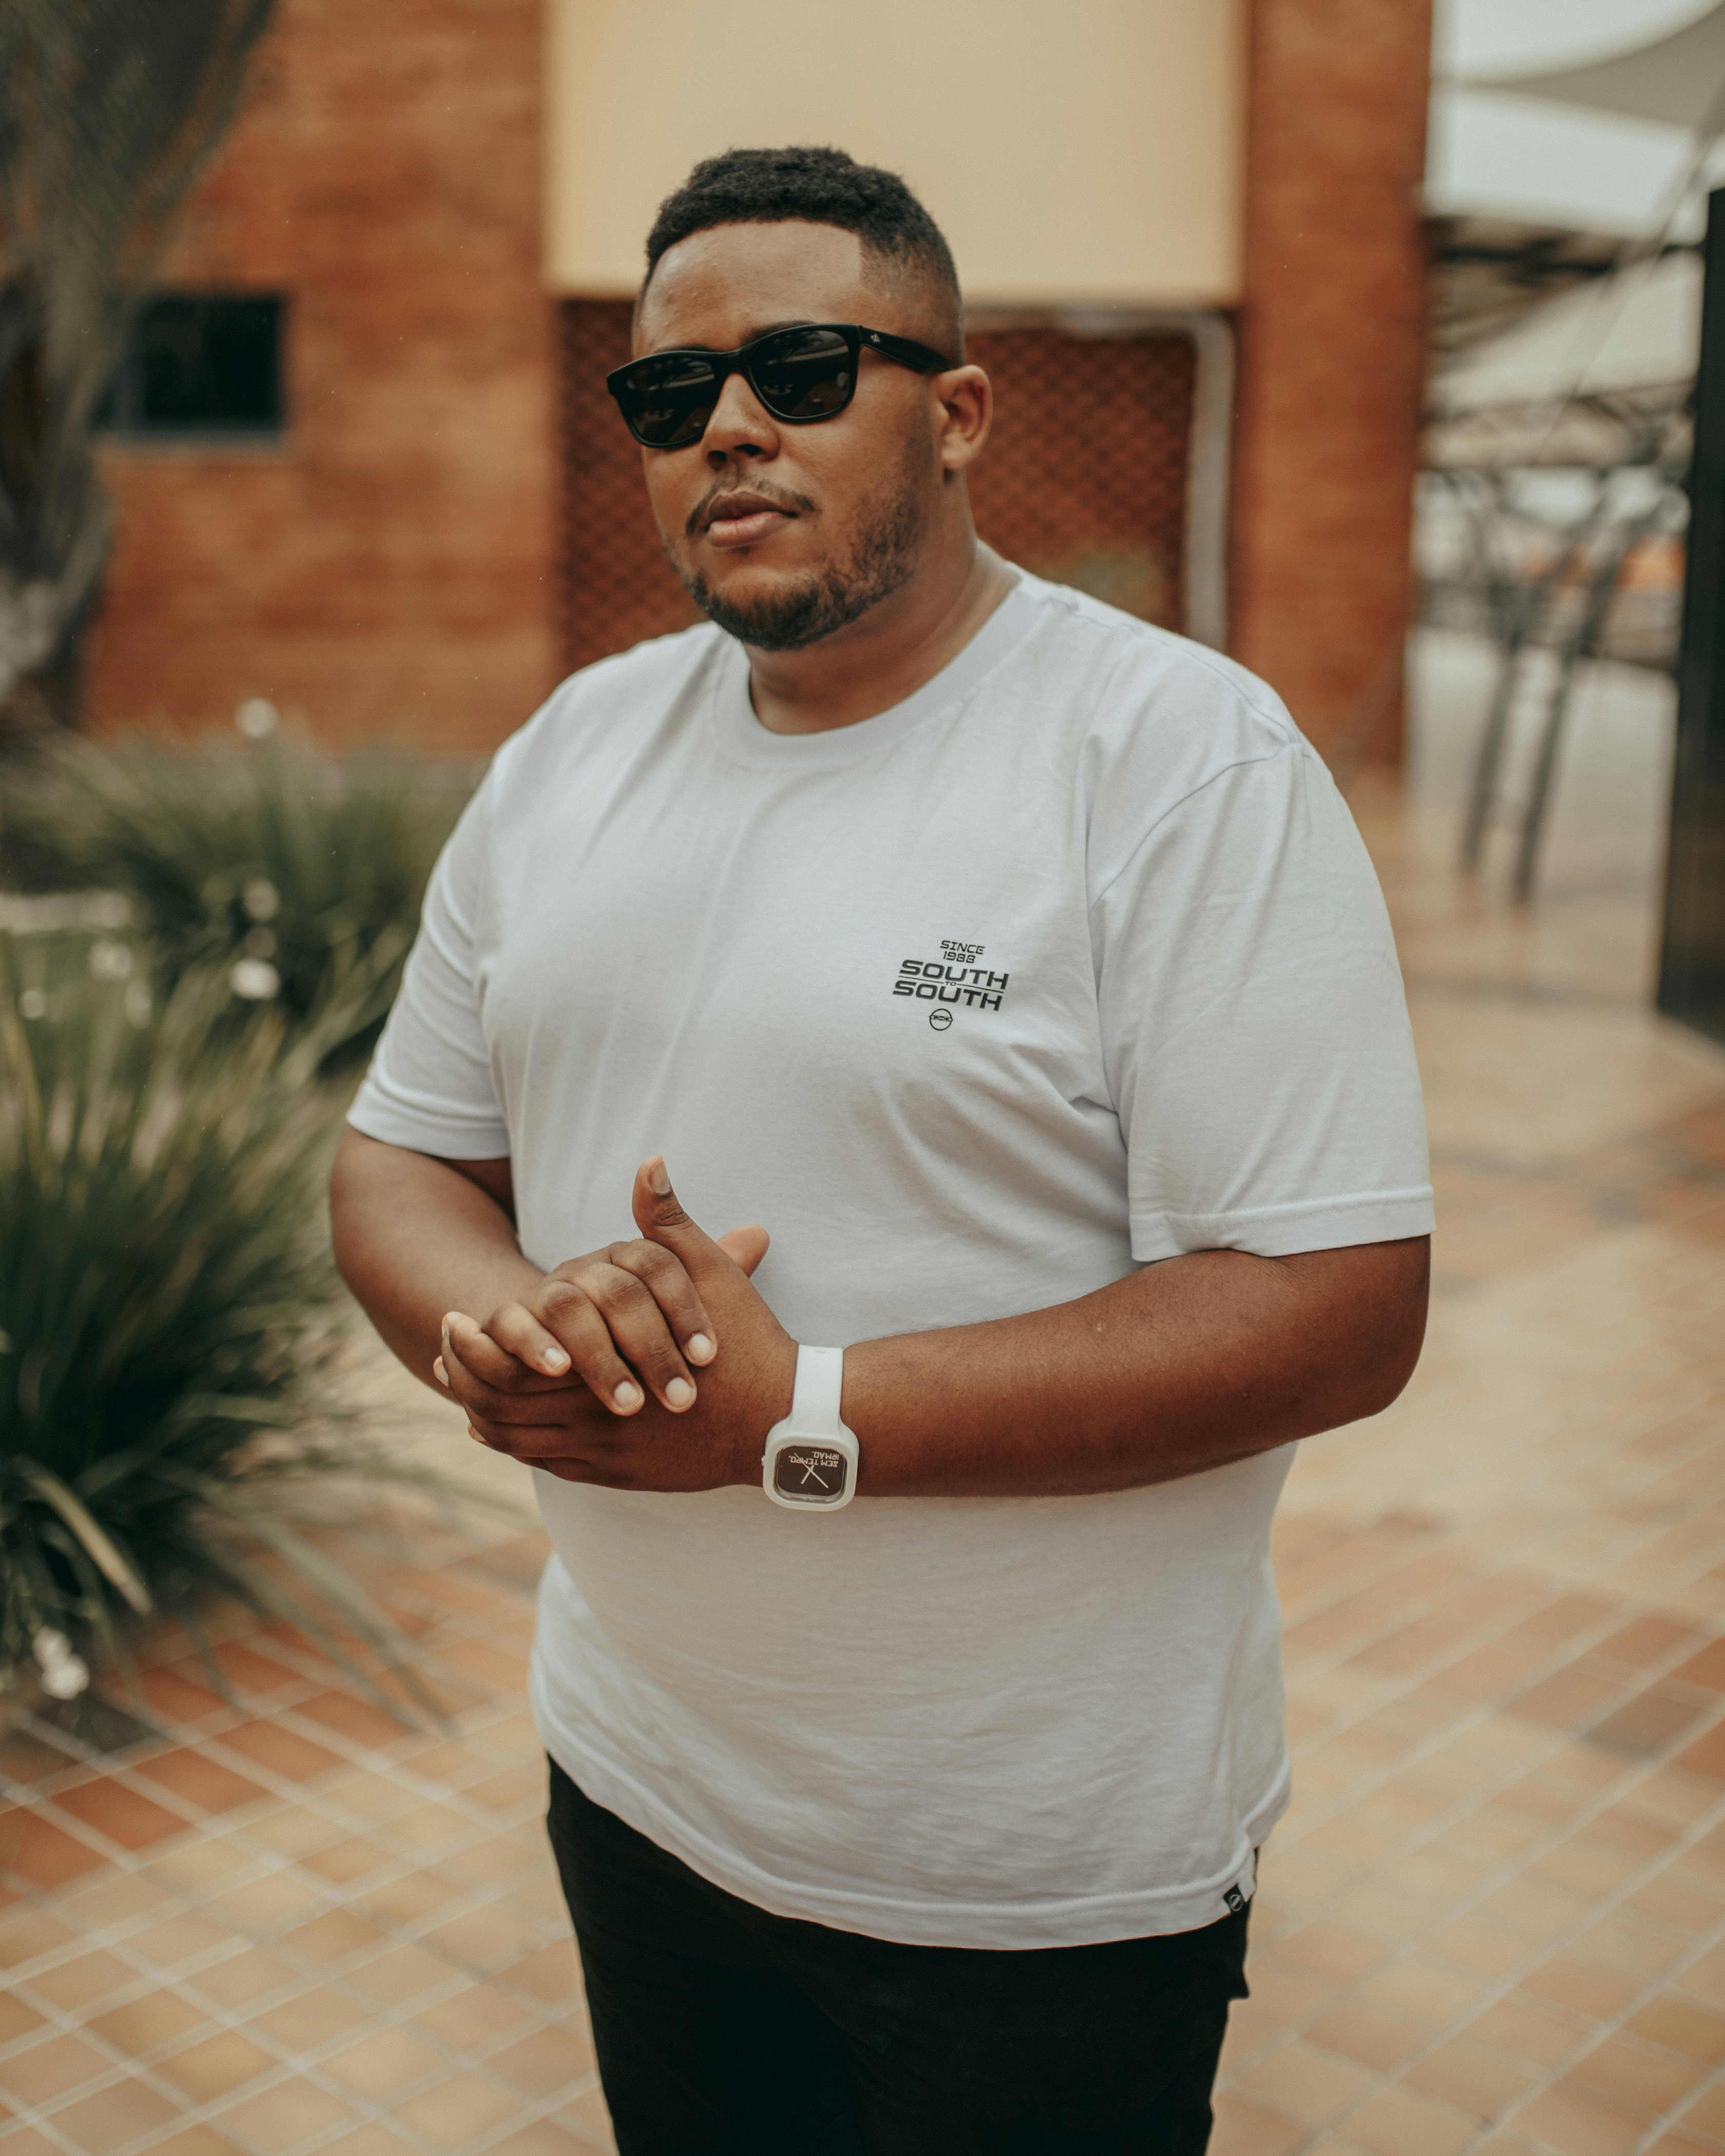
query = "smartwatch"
{"x": 809, "y": 1465}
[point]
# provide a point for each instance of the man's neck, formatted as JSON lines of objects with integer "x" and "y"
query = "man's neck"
{"x": 877, "y": 661}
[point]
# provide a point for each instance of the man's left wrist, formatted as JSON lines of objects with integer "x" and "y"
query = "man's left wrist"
{"x": 771, "y": 1404}
{"x": 810, "y": 1460}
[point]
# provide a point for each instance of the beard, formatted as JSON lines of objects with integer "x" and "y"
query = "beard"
{"x": 801, "y": 612}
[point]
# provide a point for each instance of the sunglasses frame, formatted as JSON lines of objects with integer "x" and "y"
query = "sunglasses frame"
{"x": 920, "y": 358}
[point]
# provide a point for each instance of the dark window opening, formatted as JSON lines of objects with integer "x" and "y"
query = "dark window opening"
{"x": 201, "y": 364}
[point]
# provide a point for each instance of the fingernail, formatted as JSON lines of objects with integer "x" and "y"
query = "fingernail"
{"x": 628, "y": 1397}
{"x": 554, "y": 1358}
{"x": 440, "y": 1373}
{"x": 658, "y": 1178}
{"x": 678, "y": 1393}
{"x": 476, "y": 1438}
{"x": 700, "y": 1348}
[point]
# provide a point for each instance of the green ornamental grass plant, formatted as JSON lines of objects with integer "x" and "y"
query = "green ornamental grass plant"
{"x": 169, "y": 1311}
{"x": 299, "y": 874}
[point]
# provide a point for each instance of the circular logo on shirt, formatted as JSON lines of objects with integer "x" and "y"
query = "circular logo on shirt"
{"x": 940, "y": 1019}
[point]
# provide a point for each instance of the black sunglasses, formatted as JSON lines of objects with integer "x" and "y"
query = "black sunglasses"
{"x": 800, "y": 375}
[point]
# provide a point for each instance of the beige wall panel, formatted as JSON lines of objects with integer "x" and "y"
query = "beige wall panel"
{"x": 1075, "y": 151}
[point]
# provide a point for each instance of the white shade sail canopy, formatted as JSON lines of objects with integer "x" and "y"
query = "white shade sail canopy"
{"x": 1640, "y": 330}
{"x": 1677, "y": 78}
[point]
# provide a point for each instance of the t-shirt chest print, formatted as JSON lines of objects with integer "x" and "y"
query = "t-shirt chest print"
{"x": 953, "y": 978}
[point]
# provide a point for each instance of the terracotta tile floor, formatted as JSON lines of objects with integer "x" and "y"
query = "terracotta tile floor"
{"x": 1494, "y": 1920}
{"x": 288, "y": 1923}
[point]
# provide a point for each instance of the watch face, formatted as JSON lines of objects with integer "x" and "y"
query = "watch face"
{"x": 812, "y": 1472}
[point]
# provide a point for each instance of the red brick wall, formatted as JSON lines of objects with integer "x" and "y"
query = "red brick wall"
{"x": 388, "y": 570}
{"x": 1332, "y": 337}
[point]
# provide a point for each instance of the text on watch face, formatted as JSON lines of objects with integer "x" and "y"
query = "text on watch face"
{"x": 809, "y": 1470}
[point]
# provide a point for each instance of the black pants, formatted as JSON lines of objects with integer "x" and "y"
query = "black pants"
{"x": 724, "y": 2031}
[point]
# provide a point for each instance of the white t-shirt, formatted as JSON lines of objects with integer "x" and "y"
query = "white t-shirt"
{"x": 1070, "y": 962}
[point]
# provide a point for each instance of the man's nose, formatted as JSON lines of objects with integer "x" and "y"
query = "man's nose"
{"x": 741, "y": 425}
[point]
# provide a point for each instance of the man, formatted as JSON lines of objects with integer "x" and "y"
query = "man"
{"x": 1017, "y": 964}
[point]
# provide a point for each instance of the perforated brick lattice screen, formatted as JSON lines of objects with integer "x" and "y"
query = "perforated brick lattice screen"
{"x": 1084, "y": 480}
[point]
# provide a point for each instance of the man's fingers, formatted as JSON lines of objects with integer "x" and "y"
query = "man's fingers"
{"x": 745, "y": 1247}
{"x": 661, "y": 1219}
{"x": 467, "y": 1350}
{"x": 514, "y": 1329}
{"x": 665, "y": 1280}
{"x": 637, "y": 1325}
{"x": 616, "y": 1333}
{"x": 471, "y": 1357}
{"x": 540, "y": 1414}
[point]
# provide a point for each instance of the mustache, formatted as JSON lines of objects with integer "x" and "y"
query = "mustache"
{"x": 781, "y": 497}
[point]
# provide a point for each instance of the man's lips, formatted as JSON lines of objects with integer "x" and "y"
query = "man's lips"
{"x": 745, "y": 531}
{"x": 744, "y": 520}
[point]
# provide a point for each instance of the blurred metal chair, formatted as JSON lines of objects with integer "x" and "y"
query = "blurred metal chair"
{"x": 1564, "y": 609}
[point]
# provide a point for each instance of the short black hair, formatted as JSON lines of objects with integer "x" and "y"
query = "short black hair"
{"x": 816, "y": 186}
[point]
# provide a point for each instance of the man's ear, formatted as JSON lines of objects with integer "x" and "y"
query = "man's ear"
{"x": 966, "y": 397}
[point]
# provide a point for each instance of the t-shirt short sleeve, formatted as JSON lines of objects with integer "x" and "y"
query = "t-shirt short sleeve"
{"x": 430, "y": 1086}
{"x": 1255, "y": 1031}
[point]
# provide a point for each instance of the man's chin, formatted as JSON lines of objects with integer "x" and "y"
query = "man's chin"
{"x": 778, "y": 611}
{"x": 747, "y": 586}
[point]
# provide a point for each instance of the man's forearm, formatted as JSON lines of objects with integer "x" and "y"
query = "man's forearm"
{"x": 415, "y": 1237}
{"x": 1181, "y": 1367}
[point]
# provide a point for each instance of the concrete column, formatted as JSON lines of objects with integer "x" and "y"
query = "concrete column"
{"x": 1332, "y": 348}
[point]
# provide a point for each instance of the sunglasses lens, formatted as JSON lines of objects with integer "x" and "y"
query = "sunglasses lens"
{"x": 803, "y": 374}
{"x": 797, "y": 374}
{"x": 667, "y": 400}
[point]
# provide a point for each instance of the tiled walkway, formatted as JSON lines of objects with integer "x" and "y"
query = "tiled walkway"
{"x": 1495, "y": 1919}
{"x": 289, "y": 1925}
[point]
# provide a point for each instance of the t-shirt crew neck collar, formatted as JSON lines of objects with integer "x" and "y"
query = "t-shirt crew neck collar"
{"x": 745, "y": 738}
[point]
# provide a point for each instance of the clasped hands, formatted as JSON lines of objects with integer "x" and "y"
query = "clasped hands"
{"x": 593, "y": 1377}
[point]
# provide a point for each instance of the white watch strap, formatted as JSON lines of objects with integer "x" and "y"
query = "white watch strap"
{"x": 817, "y": 1392}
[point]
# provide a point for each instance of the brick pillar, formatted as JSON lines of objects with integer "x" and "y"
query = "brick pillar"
{"x": 1332, "y": 342}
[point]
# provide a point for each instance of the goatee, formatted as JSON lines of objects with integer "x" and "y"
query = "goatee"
{"x": 802, "y": 612}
